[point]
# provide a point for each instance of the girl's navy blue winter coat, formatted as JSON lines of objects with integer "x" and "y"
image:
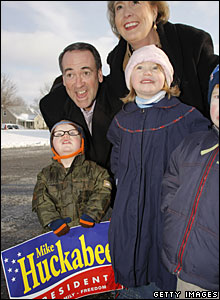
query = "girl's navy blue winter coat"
{"x": 143, "y": 140}
{"x": 190, "y": 203}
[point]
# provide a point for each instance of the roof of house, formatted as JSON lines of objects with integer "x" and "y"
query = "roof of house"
{"x": 23, "y": 113}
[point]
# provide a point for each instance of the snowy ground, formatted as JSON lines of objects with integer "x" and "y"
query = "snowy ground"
{"x": 24, "y": 138}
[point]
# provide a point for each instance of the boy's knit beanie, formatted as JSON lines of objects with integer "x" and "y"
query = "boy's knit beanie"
{"x": 214, "y": 79}
{"x": 153, "y": 54}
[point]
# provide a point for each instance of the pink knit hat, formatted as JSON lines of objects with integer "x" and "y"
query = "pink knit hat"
{"x": 153, "y": 54}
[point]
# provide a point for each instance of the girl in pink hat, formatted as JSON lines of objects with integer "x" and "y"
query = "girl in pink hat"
{"x": 144, "y": 133}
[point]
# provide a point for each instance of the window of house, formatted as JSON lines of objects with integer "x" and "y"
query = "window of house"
{"x": 4, "y": 113}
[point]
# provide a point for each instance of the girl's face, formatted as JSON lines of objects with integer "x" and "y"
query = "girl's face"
{"x": 134, "y": 21}
{"x": 147, "y": 79}
{"x": 214, "y": 107}
{"x": 66, "y": 144}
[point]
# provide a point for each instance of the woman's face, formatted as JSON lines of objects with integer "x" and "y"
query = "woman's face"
{"x": 134, "y": 20}
{"x": 147, "y": 79}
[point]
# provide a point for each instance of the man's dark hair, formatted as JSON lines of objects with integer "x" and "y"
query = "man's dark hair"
{"x": 83, "y": 47}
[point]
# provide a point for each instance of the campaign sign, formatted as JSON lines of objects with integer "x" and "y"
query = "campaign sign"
{"x": 68, "y": 267}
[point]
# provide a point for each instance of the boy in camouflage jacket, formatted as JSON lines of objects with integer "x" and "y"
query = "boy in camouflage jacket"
{"x": 70, "y": 190}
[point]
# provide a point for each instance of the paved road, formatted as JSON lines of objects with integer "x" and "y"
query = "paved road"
{"x": 19, "y": 169}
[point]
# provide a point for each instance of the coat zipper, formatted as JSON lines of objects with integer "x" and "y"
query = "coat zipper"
{"x": 193, "y": 213}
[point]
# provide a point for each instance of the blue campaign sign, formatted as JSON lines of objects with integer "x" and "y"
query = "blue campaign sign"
{"x": 67, "y": 267}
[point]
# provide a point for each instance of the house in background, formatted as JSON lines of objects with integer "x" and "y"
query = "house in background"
{"x": 39, "y": 122}
{"x": 27, "y": 117}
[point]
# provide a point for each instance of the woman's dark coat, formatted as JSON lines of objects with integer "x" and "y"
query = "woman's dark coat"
{"x": 190, "y": 203}
{"x": 190, "y": 51}
{"x": 143, "y": 140}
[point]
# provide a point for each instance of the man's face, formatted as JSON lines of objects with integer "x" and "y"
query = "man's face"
{"x": 81, "y": 77}
{"x": 214, "y": 107}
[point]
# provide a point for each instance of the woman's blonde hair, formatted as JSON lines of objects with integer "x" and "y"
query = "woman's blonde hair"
{"x": 171, "y": 91}
{"x": 162, "y": 16}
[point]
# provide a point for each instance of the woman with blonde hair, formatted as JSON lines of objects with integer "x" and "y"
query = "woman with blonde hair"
{"x": 190, "y": 50}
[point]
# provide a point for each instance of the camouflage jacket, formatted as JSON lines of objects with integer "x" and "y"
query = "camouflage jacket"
{"x": 85, "y": 187}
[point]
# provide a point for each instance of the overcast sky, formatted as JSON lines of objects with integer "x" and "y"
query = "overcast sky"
{"x": 33, "y": 33}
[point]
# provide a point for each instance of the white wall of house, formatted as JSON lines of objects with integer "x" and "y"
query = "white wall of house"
{"x": 39, "y": 123}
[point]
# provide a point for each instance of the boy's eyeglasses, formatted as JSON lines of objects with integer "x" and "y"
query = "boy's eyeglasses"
{"x": 71, "y": 132}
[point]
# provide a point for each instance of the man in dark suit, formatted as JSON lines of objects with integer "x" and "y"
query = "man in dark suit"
{"x": 83, "y": 95}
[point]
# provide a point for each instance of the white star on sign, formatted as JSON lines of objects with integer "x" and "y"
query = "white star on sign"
{"x": 6, "y": 260}
{"x": 19, "y": 254}
{"x": 16, "y": 270}
{"x": 13, "y": 261}
{"x": 10, "y": 270}
{"x": 13, "y": 279}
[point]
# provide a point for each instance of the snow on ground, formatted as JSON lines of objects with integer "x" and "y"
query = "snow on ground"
{"x": 16, "y": 138}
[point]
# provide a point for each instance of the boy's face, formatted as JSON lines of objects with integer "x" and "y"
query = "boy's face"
{"x": 214, "y": 106}
{"x": 66, "y": 144}
{"x": 147, "y": 79}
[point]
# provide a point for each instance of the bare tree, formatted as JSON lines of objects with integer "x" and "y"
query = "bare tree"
{"x": 45, "y": 89}
{"x": 8, "y": 91}
{"x": 35, "y": 104}
{"x": 18, "y": 101}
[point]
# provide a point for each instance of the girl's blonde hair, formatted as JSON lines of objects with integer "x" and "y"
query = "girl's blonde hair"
{"x": 171, "y": 91}
{"x": 162, "y": 16}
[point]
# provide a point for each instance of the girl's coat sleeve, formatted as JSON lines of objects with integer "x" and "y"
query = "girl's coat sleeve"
{"x": 113, "y": 136}
{"x": 198, "y": 122}
{"x": 170, "y": 182}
